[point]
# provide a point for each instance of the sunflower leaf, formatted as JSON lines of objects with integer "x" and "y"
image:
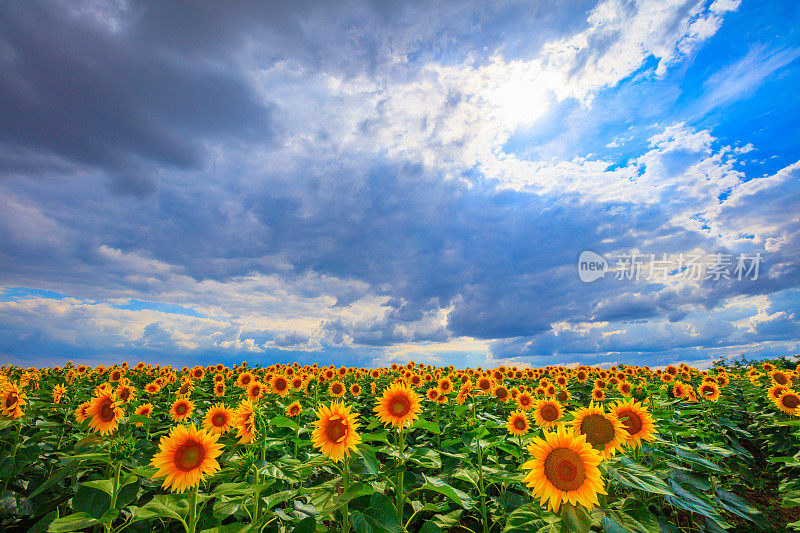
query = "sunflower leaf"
{"x": 283, "y": 422}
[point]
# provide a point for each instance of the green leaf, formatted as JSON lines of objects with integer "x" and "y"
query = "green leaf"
{"x": 225, "y": 507}
{"x": 695, "y": 503}
{"x": 7, "y": 466}
{"x": 576, "y": 518}
{"x": 376, "y": 436}
{"x": 379, "y": 517}
{"x": 94, "y": 502}
{"x": 278, "y": 497}
{"x": 735, "y": 505}
{"x": 524, "y": 519}
{"x": 73, "y": 522}
{"x": 698, "y": 481}
{"x": 172, "y": 506}
{"x": 107, "y": 485}
{"x": 635, "y": 476}
{"x": 448, "y": 520}
{"x": 430, "y": 527}
{"x": 611, "y": 525}
{"x": 43, "y": 523}
{"x": 370, "y": 460}
{"x": 277, "y": 472}
{"x": 467, "y": 474}
{"x": 306, "y": 525}
{"x": 426, "y": 458}
{"x": 232, "y": 528}
{"x": 460, "y": 498}
{"x": 716, "y": 450}
{"x": 59, "y": 475}
{"x": 283, "y": 422}
{"x": 685, "y": 455}
{"x": 427, "y": 425}
{"x": 141, "y": 419}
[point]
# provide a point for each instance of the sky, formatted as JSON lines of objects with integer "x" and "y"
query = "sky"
{"x": 360, "y": 183}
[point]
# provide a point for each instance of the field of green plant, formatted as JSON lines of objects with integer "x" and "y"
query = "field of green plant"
{"x": 407, "y": 448}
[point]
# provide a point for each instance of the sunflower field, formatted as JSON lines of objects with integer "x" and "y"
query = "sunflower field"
{"x": 412, "y": 448}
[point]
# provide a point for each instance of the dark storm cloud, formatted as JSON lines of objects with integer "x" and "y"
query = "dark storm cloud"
{"x": 128, "y": 107}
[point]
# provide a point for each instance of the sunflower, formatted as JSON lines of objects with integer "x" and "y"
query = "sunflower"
{"x": 433, "y": 394}
{"x": 679, "y": 390}
{"x": 442, "y": 397}
{"x": 517, "y": 423}
{"x": 598, "y": 395}
{"x": 185, "y": 390}
{"x": 524, "y": 401}
{"x": 336, "y": 389}
{"x": 547, "y": 413}
{"x": 297, "y": 383}
{"x": 399, "y": 406}
{"x": 152, "y": 388}
{"x": 280, "y": 385}
{"x": 244, "y": 420}
{"x": 294, "y": 409}
{"x": 181, "y": 409}
{"x": 355, "y": 389}
{"x": 445, "y": 385}
{"x": 81, "y": 412}
{"x": 501, "y": 393}
{"x": 336, "y": 431}
{"x": 244, "y": 379}
{"x": 624, "y": 388}
{"x": 146, "y": 409}
{"x": 126, "y": 394}
{"x": 218, "y": 419}
{"x": 601, "y": 429}
{"x": 485, "y": 384}
{"x": 464, "y": 392}
{"x": 779, "y": 377}
{"x": 563, "y": 396}
{"x": 58, "y": 393}
{"x": 219, "y": 389}
{"x": 709, "y": 391}
{"x": 775, "y": 392}
{"x": 637, "y": 422}
{"x": 789, "y": 402}
{"x": 564, "y": 468}
{"x": 255, "y": 390}
{"x": 186, "y": 455}
{"x": 104, "y": 413}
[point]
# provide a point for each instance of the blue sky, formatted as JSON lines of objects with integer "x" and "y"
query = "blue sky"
{"x": 361, "y": 183}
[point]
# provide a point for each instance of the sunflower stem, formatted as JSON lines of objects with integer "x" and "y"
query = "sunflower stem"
{"x": 400, "y": 496}
{"x": 345, "y": 486}
{"x": 115, "y": 487}
{"x": 297, "y": 437}
{"x": 481, "y": 485}
{"x": 17, "y": 437}
{"x": 193, "y": 509}
{"x": 438, "y": 435}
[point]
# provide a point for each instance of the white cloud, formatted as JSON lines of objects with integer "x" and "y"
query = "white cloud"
{"x": 740, "y": 79}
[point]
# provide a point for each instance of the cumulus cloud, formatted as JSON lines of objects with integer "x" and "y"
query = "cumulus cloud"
{"x": 342, "y": 182}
